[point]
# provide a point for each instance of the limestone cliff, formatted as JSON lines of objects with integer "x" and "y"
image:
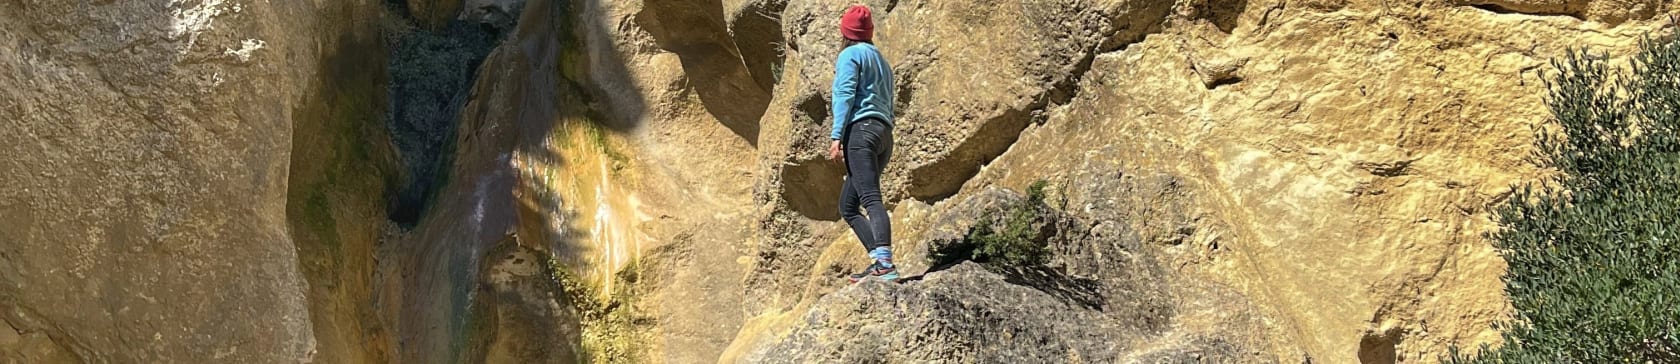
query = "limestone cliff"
{"x": 643, "y": 180}
{"x": 1343, "y": 158}
{"x": 1336, "y": 158}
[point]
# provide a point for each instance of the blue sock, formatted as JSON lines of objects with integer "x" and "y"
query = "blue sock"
{"x": 882, "y": 254}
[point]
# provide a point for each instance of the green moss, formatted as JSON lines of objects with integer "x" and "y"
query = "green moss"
{"x": 336, "y": 183}
{"x": 339, "y": 173}
{"x": 613, "y": 326}
{"x": 334, "y": 165}
{"x": 598, "y": 136}
{"x": 572, "y": 64}
{"x": 574, "y": 71}
{"x": 317, "y": 216}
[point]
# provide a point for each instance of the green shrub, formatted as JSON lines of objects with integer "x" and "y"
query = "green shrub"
{"x": 1594, "y": 253}
{"x": 1016, "y": 236}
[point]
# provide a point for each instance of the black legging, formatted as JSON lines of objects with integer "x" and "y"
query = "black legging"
{"x": 868, "y": 145}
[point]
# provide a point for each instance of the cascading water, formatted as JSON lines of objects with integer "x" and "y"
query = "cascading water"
{"x": 456, "y": 202}
{"x": 469, "y": 289}
{"x": 522, "y": 215}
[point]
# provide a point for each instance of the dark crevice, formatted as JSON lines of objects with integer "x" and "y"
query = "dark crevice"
{"x": 430, "y": 75}
{"x": 814, "y": 108}
{"x": 1223, "y": 13}
{"x": 1387, "y": 169}
{"x": 1136, "y": 24}
{"x": 904, "y": 95}
{"x": 1066, "y": 90}
{"x": 1501, "y": 9}
{"x": 1379, "y": 347}
{"x": 1232, "y": 80}
{"x": 398, "y": 8}
{"x": 758, "y": 34}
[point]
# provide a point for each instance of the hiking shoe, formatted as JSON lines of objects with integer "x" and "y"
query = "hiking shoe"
{"x": 876, "y": 270}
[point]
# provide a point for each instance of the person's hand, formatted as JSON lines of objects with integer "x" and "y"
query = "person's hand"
{"x": 834, "y": 151}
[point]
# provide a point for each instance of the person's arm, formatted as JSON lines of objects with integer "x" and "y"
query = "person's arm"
{"x": 845, "y": 88}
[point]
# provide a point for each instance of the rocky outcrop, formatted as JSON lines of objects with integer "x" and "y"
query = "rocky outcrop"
{"x": 962, "y": 314}
{"x": 664, "y": 194}
{"x": 968, "y": 314}
{"x": 529, "y": 317}
{"x": 1612, "y": 12}
{"x": 1331, "y": 159}
{"x": 965, "y": 98}
{"x": 1105, "y": 296}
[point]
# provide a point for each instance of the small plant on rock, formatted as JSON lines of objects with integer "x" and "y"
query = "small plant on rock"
{"x": 1014, "y": 236}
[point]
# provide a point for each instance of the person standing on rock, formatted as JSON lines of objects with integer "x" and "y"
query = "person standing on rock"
{"x": 862, "y": 138}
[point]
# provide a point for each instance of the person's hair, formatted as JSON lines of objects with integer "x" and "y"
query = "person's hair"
{"x": 846, "y": 42}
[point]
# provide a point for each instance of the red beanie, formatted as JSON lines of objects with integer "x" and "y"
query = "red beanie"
{"x": 857, "y": 24}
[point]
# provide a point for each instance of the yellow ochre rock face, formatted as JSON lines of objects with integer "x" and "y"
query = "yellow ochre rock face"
{"x": 1330, "y": 163}
{"x": 1340, "y": 156}
{"x": 1227, "y": 180}
{"x": 1343, "y": 158}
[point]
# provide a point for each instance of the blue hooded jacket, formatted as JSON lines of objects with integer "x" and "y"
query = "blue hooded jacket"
{"x": 863, "y": 87}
